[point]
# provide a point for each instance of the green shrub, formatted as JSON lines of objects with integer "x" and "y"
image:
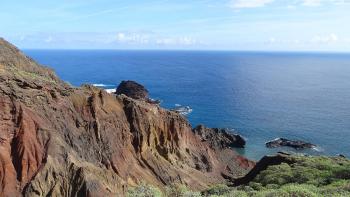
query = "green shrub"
{"x": 218, "y": 190}
{"x": 305, "y": 177}
{"x": 180, "y": 191}
{"x": 300, "y": 190}
{"x": 318, "y": 171}
{"x": 256, "y": 186}
{"x": 236, "y": 193}
{"x": 144, "y": 190}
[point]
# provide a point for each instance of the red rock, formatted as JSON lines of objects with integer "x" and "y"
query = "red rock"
{"x": 65, "y": 141}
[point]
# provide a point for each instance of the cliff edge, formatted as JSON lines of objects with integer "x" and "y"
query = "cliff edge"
{"x": 59, "y": 140}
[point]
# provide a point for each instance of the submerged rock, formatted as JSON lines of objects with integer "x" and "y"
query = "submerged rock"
{"x": 132, "y": 89}
{"x": 219, "y": 138}
{"x": 297, "y": 144}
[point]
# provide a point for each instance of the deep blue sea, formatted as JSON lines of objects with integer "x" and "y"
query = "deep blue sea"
{"x": 262, "y": 95}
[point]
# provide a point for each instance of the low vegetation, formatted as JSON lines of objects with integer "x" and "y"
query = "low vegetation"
{"x": 19, "y": 73}
{"x": 306, "y": 177}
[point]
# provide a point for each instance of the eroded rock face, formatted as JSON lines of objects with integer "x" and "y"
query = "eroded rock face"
{"x": 132, "y": 89}
{"x": 63, "y": 141}
{"x": 297, "y": 144}
{"x": 219, "y": 138}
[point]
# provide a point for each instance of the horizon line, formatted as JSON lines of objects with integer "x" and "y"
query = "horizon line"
{"x": 189, "y": 50}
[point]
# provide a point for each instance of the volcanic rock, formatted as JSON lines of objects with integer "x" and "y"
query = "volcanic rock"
{"x": 57, "y": 140}
{"x": 132, "y": 89}
{"x": 262, "y": 165}
{"x": 297, "y": 144}
{"x": 219, "y": 138}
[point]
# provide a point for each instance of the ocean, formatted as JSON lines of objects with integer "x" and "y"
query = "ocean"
{"x": 260, "y": 95}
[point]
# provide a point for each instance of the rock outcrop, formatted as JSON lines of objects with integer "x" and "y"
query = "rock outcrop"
{"x": 297, "y": 144}
{"x": 59, "y": 140}
{"x": 219, "y": 138}
{"x": 262, "y": 165}
{"x": 132, "y": 89}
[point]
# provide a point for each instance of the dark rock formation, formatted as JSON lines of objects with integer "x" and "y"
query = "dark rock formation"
{"x": 297, "y": 144}
{"x": 263, "y": 164}
{"x": 219, "y": 138}
{"x": 341, "y": 155}
{"x": 56, "y": 140}
{"x": 132, "y": 89}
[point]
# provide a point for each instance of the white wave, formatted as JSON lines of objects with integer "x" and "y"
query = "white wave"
{"x": 110, "y": 91}
{"x": 100, "y": 85}
{"x": 318, "y": 149}
{"x": 183, "y": 110}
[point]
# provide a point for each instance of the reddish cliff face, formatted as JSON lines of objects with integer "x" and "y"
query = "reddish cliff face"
{"x": 64, "y": 141}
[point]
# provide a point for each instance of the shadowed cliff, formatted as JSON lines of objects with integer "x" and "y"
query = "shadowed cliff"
{"x": 64, "y": 141}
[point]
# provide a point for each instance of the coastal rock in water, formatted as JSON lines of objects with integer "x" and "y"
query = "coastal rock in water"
{"x": 57, "y": 140}
{"x": 132, "y": 89}
{"x": 297, "y": 144}
{"x": 219, "y": 138}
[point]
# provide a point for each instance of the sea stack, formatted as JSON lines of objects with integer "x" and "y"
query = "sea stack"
{"x": 133, "y": 90}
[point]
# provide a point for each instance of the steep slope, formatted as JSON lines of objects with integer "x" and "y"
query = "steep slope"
{"x": 63, "y": 141}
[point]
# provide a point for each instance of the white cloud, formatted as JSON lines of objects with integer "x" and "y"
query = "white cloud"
{"x": 291, "y": 7}
{"x": 237, "y": 4}
{"x": 315, "y": 3}
{"x": 249, "y": 3}
{"x": 132, "y": 38}
{"x": 272, "y": 40}
{"x": 325, "y": 39}
{"x": 312, "y": 3}
{"x": 48, "y": 39}
{"x": 182, "y": 41}
{"x": 340, "y": 2}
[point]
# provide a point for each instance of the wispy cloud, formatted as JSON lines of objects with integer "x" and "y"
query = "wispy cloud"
{"x": 249, "y": 3}
{"x": 325, "y": 39}
{"x": 312, "y": 3}
{"x": 122, "y": 39}
{"x": 240, "y": 4}
{"x": 132, "y": 38}
{"x": 184, "y": 41}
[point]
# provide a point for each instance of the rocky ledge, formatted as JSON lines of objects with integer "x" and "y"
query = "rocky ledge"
{"x": 219, "y": 138}
{"x": 58, "y": 140}
{"x": 297, "y": 144}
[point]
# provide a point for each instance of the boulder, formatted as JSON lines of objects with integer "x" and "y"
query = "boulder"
{"x": 133, "y": 90}
{"x": 219, "y": 138}
{"x": 297, "y": 144}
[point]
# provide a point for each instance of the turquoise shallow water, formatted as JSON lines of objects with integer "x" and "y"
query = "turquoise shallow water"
{"x": 261, "y": 95}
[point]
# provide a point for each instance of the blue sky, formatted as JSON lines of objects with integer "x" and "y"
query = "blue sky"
{"x": 277, "y": 25}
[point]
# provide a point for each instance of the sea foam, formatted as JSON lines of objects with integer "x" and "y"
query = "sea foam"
{"x": 100, "y": 85}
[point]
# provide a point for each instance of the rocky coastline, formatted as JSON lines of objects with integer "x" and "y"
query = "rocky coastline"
{"x": 59, "y": 140}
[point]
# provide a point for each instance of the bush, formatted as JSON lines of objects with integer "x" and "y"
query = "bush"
{"x": 218, "y": 190}
{"x": 237, "y": 193}
{"x": 300, "y": 190}
{"x": 306, "y": 177}
{"x": 144, "y": 190}
{"x": 180, "y": 191}
{"x": 318, "y": 171}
